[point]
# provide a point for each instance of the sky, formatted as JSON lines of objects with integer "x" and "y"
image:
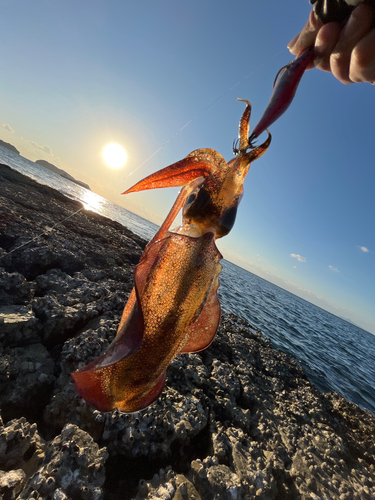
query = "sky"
{"x": 161, "y": 78}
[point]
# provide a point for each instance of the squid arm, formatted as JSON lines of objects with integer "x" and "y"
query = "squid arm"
{"x": 177, "y": 174}
{"x": 173, "y": 307}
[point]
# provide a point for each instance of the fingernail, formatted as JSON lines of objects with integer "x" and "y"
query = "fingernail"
{"x": 292, "y": 42}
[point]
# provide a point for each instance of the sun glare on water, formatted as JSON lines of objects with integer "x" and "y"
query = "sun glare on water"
{"x": 92, "y": 201}
{"x": 114, "y": 155}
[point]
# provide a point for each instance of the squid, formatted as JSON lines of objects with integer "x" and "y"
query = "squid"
{"x": 173, "y": 307}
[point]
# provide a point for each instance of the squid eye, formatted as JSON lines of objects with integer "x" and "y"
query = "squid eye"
{"x": 190, "y": 201}
{"x": 190, "y": 198}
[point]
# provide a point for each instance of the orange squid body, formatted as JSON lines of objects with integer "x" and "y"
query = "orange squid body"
{"x": 173, "y": 307}
{"x": 175, "y": 276}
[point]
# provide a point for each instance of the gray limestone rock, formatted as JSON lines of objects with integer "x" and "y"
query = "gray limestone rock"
{"x": 26, "y": 380}
{"x": 18, "y": 326}
{"x": 11, "y": 483}
{"x": 21, "y": 448}
{"x": 14, "y": 289}
{"x": 73, "y": 467}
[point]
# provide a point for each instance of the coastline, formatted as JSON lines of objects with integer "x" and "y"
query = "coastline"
{"x": 239, "y": 420}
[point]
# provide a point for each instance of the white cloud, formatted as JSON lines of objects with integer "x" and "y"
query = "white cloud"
{"x": 46, "y": 149}
{"x": 334, "y": 269}
{"x": 298, "y": 257}
{"x": 364, "y": 249}
{"x": 8, "y": 128}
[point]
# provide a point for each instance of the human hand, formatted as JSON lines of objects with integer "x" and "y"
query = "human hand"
{"x": 348, "y": 51}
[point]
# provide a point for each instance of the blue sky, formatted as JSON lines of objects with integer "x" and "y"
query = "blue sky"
{"x": 79, "y": 75}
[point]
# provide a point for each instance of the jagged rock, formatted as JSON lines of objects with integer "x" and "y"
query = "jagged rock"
{"x": 58, "y": 321}
{"x": 65, "y": 303}
{"x": 173, "y": 421}
{"x": 73, "y": 467}
{"x": 216, "y": 481}
{"x": 18, "y": 326}
{"x": 21, "y": 448}
{"x": 26, "y": 380}
{"x": 14, "y": 289}
{"x": 11, "y": 483}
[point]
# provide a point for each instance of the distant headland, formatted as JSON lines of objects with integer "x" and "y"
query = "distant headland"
{"x": 47, "y": 164}
{"x": 9, "y": 146}
{"x": 60, "y": 171}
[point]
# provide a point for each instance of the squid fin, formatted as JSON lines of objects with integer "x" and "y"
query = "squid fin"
{"x": 94, "y": 392}
{"x": 89, "y": 385}
{"x": 148, "y": 398}
{"x": 93, "y": 381}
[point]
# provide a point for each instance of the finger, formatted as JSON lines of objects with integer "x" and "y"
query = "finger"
{"x": 326, "y": 41}
{"x": 355, "y": 29}
{"x": 307, "y": 36}
{"x": 362, "y": 63}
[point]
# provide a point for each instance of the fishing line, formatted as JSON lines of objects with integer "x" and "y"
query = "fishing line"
{"x": 44, "y": 232}
{"x": 205, "y": 109}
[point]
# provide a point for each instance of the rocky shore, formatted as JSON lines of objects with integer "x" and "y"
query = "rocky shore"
{"x": 237, "y": 421}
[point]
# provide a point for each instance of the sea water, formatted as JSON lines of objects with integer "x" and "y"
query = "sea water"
{"x": 336, "y": 355}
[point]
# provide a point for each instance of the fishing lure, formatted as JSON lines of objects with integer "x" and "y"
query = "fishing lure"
{"x": 284, "y": 89}
{"x": 173, "y": 307}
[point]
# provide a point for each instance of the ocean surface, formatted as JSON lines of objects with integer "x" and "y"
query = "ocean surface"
{"x": 336, "y": 355}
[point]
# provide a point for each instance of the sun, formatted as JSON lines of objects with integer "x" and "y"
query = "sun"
{"x": 114, "y": 155}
